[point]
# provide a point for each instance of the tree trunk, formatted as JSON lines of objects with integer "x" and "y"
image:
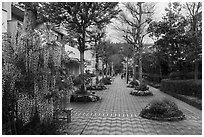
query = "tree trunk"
{"x": 82, "y": 49}
{"x": 82, "y": 62}
{"x": 134, "y": 64}
{"x": 112, "y": 69}
{"x": 196, "y": 70}
{"x": 140, "y": 63}
{"x": 96, "y": 67}
{"x": 102, "y": 70}
{"x": 106, "y": 69}
{"x": 160, "y": 71}
{"x": 82, "y": 88}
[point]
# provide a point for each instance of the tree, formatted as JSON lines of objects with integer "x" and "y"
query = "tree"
{"x": 127, "y": 53}
{"x": 104, "y": 54}
{"x": 169, "y": 35}
{"x": 79, "y": 16}
{"x": 135, "y": 25}
{"x": 96, "y": 34}
{"x": 175, "y": 39}
{"x": 194, "y": 34}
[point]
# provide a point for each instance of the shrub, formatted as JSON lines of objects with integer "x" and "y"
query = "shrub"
{"x": 164, "y": 109}
{"x": 92, "y": 75}
{"x": 190, "y": 75}
{"x": 177, "y": 75}
{"x": 153, "y": 78}
{"x": 40, "y": 129}
{"x": 78, "y": 81}
{"x": 183, "y": 75}
{"x": 142, "y": 87}
{"x": 134, "y": 83}
{"x": 162, "y": 106}
{"x": 106, "y": 80}
{"x": 184, "y": 87}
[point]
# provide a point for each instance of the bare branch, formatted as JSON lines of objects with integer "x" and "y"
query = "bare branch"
{"x": 189, "y": 9}
{"x": 129, "y": 39}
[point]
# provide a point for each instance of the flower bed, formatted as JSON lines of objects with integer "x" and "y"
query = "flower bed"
{"x": 141, "y": 90}
{"x": 162, "y": 110}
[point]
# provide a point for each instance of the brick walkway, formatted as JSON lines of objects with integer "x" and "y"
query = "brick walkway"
{"x": 118, "y": 114}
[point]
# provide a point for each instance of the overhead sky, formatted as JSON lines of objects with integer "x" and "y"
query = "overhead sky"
{"x": 115, "y": 36}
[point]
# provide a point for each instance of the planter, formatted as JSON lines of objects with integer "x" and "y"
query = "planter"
{"x": 141, "y": 93}
{"x": 162, "y": 110}
{"x": 89, "y": 97}
{"x": 96, "y": 87}
{"x": 153, "y": 117}
{"x": 106, "y": 81}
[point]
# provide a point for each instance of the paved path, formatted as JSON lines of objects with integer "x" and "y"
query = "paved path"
{"x": 118, "y": 114}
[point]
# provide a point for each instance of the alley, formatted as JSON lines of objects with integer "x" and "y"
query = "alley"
{"x": 118, "y": 114}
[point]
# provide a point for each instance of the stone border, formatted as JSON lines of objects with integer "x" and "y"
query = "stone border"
{"x": 96, "y": 88}
{"x": 85, "y": 98}
{"x": 179, "y": 118}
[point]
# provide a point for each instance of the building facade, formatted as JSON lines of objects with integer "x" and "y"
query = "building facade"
{"x": 12, "y": 17}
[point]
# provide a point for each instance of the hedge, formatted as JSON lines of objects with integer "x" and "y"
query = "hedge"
{"x": 183, "y": 87}
{"x": 155, "y": 78}
{"x": 183, "y": 75}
